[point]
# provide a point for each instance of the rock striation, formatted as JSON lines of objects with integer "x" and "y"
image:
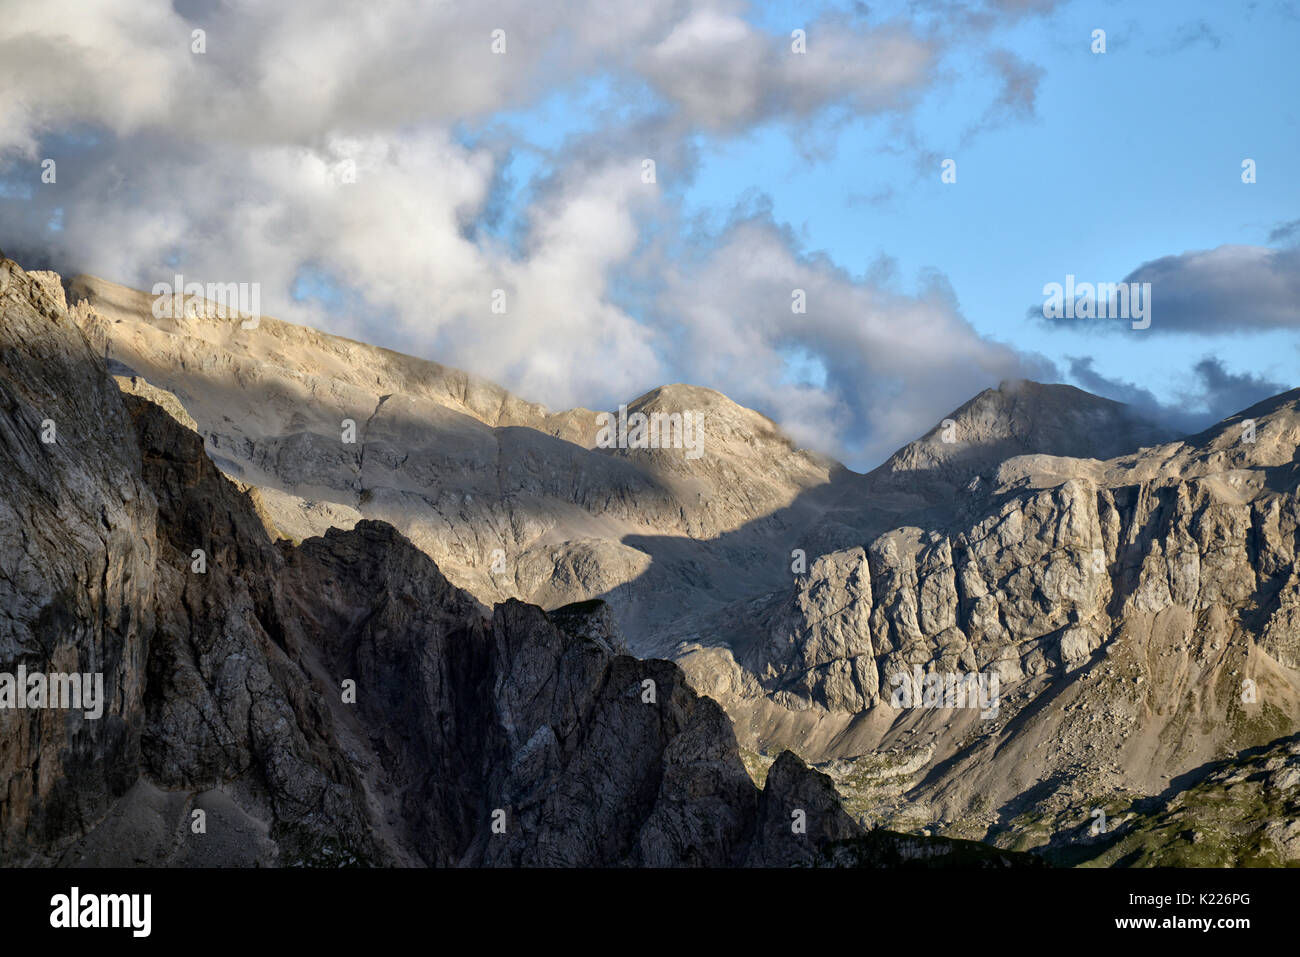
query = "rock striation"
{"x": 332, "y": 702}
{"x": 1134, "y": 592}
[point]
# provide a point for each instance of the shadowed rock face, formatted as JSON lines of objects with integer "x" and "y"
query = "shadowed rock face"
{"x": 333, "y": 702}
{"x": 76, "y": 569}
{"x": 1242, "y": 812}
{"x": 789, "y": 788}
{"x": 1140, "y": 614}
{"x": 594, "y": 758}
{"x": 514, "y": 501}
{"x": 1121, "y": 585}
{"x": 510, "y": 500}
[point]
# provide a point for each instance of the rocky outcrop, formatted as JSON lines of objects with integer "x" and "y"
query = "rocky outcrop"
{"x": 818, "y": 647}
{"x": 1241, "y": 812}
{"x": 799, "y": 812}
{"x": 1136, "y": 597}
{"x": 333, "y": 702}
{"x": 510, "y": 500}
{"x": 1019, "y": 417}
{"x": 508, "y": 740}
{"x": 228, "y": 701}
{"x": 77, "y": 570}
{"x": 1139, "y": 614}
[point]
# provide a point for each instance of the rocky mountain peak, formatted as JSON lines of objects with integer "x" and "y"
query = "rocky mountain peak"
{"x": 1025, "y": 417}
{"x": 375, "y": 518}
{"x": 336, "y": 701}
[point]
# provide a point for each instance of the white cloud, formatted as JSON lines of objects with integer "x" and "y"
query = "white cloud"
{"x": 894, "y": 362}
{"x": 724, "y": 73}
{"x": 226, "y": 166}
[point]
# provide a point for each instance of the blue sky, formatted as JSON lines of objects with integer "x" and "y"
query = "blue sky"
{"x": 517, "y": 172}
{"x": 1129, "y": 156}
{"x": 1132, "y": 155}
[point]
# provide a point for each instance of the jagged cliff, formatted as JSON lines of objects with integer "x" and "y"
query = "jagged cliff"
{"x": 1135, "y": 594}
{"x": 1140, "y": 614}
{"x": 511, "y": 500}
{"x": 330, "y": 702}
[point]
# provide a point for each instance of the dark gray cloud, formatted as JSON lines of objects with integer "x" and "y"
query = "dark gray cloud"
{"x": 1285, "y": 231}
{"x": 1017, "y": 93}
{"x": 1212, "y": 395}
{"x": 1082, "y": 372}
{"x": 1226, "y": 289}
{"x": 1223, "y": 393}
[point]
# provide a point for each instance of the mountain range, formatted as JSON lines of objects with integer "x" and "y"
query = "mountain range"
{"x": 358, "y": 607}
